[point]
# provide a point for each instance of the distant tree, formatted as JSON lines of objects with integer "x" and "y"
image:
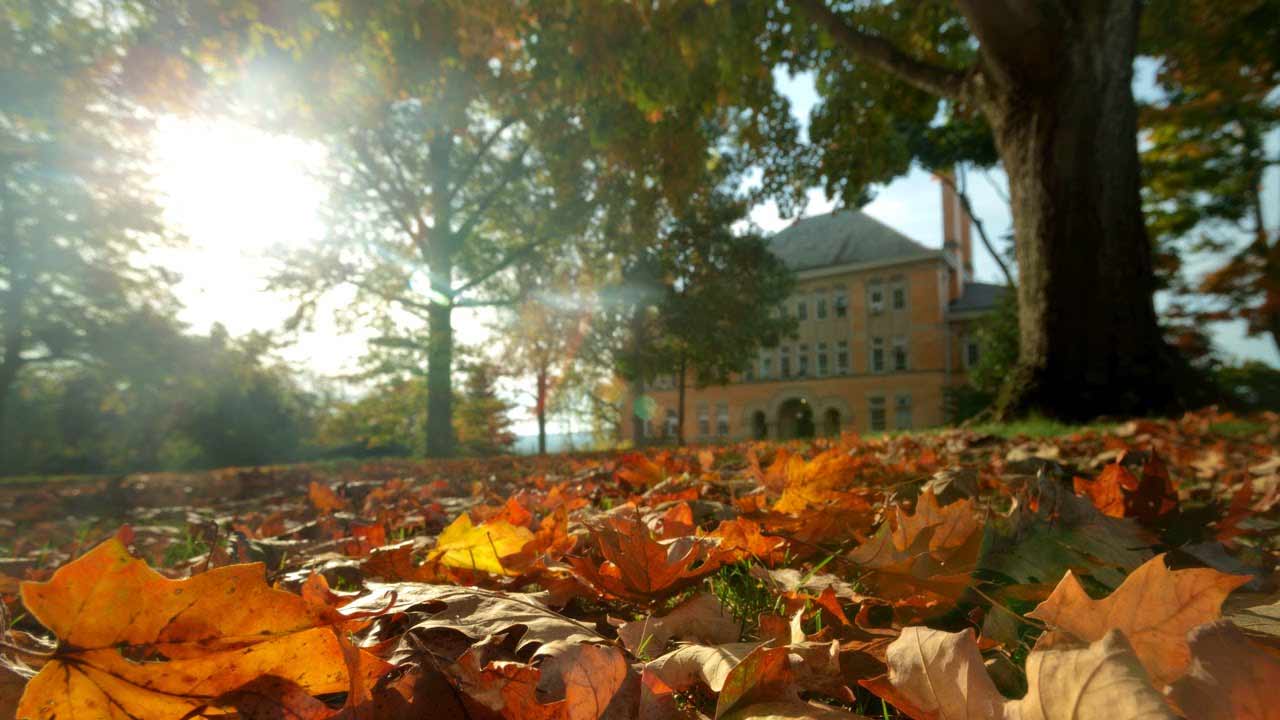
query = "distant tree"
{"x": 542, "y": 337}
{"x": 483, "y": 419}
{"x": 157, "y": 398}
{"x": 1206, "y": 155}
{"x": 723, "y": 292}
{"x": 388, "y": 419}
{"x": 76, "y": 211}
{"x": 446, "y": 145}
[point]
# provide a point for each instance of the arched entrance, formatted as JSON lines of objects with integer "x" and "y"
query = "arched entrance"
{"x": 831, "y": 422}
{"x": 759, "y": 425}
{"x": 795, "y": 419}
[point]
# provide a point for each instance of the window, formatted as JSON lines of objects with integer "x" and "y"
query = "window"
{"x": 784, "y": 361}
{"x": 722, "y": 419}
{"x": 802, "y": 310}
{"x": 766, "y": 366}
{"x": 877, "y": 414}
{"x": 899, "y": 353}
{"x": 877, "y": 355}
{"x": 902, "y": 412}
{"x": 802, "y": 359}
{"x": 842, "y": 303}
{"x": 822, "y": 360}
{"x": 899, "y": 295}
{"x": 672, "y": 422}
{"x": 704, "y": 421}
{"x": 971, "y": 352}
{"x": 842, "y": 357}
{"x": 875, "y": 298}
{"x": 822, "y": 308}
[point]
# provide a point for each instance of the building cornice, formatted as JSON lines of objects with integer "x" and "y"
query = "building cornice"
{"x": 814, "y": 273}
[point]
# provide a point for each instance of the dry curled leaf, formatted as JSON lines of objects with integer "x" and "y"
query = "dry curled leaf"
{"x": 478, "y": 613}
{"x": 938, "y": 675}
{"x": 700, "y": 618}
{"x": 1230, "y": 678}
{"x": 1154, "y": 607}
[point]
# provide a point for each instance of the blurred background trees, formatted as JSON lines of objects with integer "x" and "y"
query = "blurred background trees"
{"x": 576, "y": 177}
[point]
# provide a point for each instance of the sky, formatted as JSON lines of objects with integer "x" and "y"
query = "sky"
{"x": 237, "y": 193}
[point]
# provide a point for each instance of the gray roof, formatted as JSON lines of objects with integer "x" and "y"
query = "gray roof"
{"x": 977, "y": 297}
{"x": 843, "y": 237}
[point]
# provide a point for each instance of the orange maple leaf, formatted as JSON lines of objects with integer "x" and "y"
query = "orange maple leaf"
{"x": 133, "y": 643}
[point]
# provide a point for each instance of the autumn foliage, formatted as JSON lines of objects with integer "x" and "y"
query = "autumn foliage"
{"x": 1127, "y": 573}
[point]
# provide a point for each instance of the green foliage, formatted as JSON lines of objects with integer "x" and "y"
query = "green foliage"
{"x": 997, "y": 336}
{"x": 76, "y": 209}
{"x": 482, "y": 420}
{"x": 1206, "y": 154}
{"x": 160, "y": 400}
{"x": 389, "y": 419}
{"x": 722, "y": 293}
{"x": 1249, "y": 387}
{"x": 744, "y": 595}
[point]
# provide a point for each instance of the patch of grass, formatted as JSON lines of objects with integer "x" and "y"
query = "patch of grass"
{"x": 745, "y": 596}
{"x": 183, "y": 549}
{"x": 1237, "y": 429}
{"x": 1037, "y": 427}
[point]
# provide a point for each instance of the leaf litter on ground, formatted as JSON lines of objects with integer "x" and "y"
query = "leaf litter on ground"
{"x": 1127, "y": 572}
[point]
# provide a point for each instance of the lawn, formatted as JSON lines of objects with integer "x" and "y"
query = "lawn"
{"x": 745, "y": 581}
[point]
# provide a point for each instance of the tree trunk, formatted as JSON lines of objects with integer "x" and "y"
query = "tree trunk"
{"x": 1090, "y": 344}
{"x": 639, "y": 410}
{"x": 680, "y": 405}
{"x": 439, "y": 254}
{"x": 540, "y": 408}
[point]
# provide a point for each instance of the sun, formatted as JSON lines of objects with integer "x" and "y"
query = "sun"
{"x": 235, "y": 193}
{"x": 234, "y": 187}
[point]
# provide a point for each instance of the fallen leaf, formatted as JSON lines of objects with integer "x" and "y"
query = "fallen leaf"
{"x": 639, "y": 567}
{"x": 701, "y": 618}
{"x": 1230, "y": 678}
{"x": 481, "y": 547}
{"x": 181, "y": 643}
{"x": 478, "y": 613}
{"x": 324, "y": 498}
{"x": 1154, "y": 607}
{"x": 940, "y": 676}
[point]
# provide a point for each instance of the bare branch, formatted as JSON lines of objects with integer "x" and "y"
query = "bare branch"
{"x": 506, "y": 262}
{"x": 923, "y": 75}
{"x": 982, "y": 232}
{"x": 483, "y": 150}
{"x": 515, "y": 168}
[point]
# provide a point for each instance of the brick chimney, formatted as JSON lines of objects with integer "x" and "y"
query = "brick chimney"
{"x": 956, "y": 228}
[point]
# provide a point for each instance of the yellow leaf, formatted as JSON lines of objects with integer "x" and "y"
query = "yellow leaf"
{"x": 480, "y": 547}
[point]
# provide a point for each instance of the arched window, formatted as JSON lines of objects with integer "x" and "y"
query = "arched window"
{"x": 831, "y": 422}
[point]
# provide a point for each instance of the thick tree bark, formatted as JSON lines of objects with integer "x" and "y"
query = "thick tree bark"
{"x": 439, "y": 254}
{"x": 1090, "y": 343}
{"x": 680, "y": 405}
{"x": 638, "y": 411}
{"x": 1054, "y": 80}
{"x": 540, "y": 409}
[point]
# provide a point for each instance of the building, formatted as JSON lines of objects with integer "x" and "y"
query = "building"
{"x": 884, "y": 327}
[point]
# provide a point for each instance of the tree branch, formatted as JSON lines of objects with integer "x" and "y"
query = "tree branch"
{"x": 400, "y": 214}
{"x": 477, "y": 210}
{"x": 503, "y": 264}
{"x": 982, "y": 232}
{"x": 483, "y": 150}
{"x": 923, "y": 75}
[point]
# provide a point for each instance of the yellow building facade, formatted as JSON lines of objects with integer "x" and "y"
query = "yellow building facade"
{"x": 883, "y": 329}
